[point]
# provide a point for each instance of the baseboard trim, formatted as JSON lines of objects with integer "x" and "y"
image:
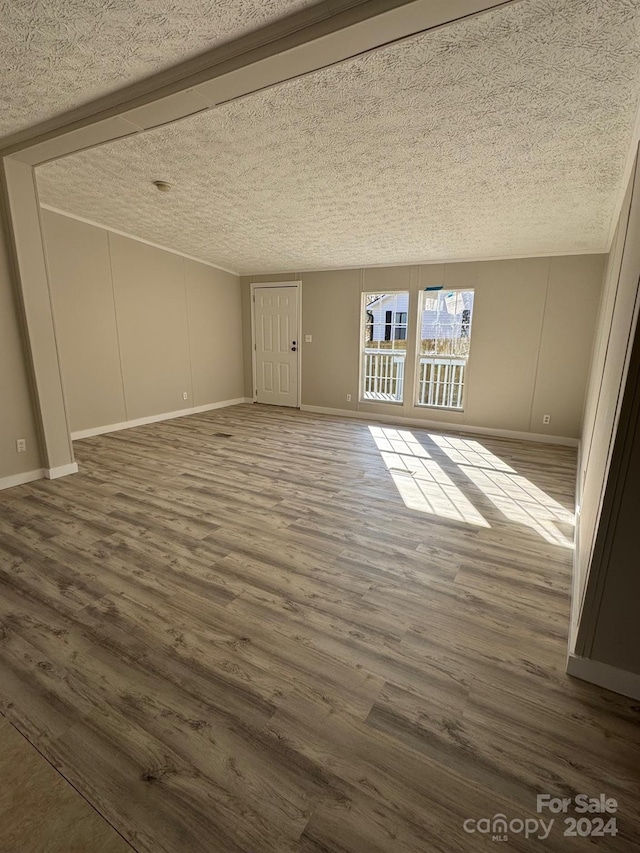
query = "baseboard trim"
{"x": 61, "y": 471}
{"x": 604, "y": 675}
{"x": 21, "y": 479}
{"x": 152, "y": 419}
{"x": 444, "y": 426}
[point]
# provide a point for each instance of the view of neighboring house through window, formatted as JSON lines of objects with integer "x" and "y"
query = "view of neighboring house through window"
{"x": 384, "y": 346}
{"x": 445, "y": 334}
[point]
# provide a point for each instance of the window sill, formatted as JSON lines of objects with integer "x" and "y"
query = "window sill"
{"x": 440, "y": 408}
{"x": 366, "y": 400}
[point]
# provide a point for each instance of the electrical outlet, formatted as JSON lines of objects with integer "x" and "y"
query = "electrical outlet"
{"x": 546, "y": 419}
{"x": 21, "y": 445}
{"x": 348, "y": 398}
{"x": 184, "y": 395}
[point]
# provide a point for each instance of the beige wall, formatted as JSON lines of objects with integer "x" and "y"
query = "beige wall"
{"x": 151, "y": 314}
{"x": 562, "y": 374}
{"x": 17, "y": 418}
{"x": 139, "y": 326}
{"x": 616, "y": 632}
{"x": 532, "y": 337}
{"x": 34, "y": 298}
{"x": 79, "y": 267}
{"x": 606, "y": 579}
{"x": 216, "y": 347}
{"x": 602, "y": 401}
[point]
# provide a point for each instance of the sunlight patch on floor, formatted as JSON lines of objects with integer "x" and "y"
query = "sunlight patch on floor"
{"x": 419, "y": 479}
{"x": 517, "y": 498}
{"x": 466, "y": 451}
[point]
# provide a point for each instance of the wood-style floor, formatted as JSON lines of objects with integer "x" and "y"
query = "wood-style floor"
{"x": 230, "y": 634}
{"x": 40, "y": 812}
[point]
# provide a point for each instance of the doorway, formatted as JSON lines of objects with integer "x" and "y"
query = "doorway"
{"x": 276, "y": 327}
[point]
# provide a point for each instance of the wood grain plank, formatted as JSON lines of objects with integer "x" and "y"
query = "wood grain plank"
{"x": 229, "y": 632}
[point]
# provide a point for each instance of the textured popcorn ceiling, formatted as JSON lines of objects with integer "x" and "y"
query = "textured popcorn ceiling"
{"x": 504, "y": 135}
{"x": 58, "y": 54}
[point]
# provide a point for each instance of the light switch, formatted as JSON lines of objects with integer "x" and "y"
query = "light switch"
{"x": 308, "y": 339}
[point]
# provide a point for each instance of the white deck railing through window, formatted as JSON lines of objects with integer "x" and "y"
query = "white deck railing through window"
{"x": 440, "y": 380}
{"x": 383, "y": 375}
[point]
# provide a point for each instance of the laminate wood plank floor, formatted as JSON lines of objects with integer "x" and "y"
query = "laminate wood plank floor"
{"x": 258, "y": 630}
{"x": 41, "y": 812}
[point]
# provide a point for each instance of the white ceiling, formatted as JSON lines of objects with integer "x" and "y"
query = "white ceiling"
{"x": 500, "y": 136}
{"x": 58, "y": 54}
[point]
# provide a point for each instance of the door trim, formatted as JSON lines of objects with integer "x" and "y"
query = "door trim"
{"x": 256, "y": 285}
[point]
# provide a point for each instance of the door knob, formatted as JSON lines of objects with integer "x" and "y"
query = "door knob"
{"x": 294, "y": 349}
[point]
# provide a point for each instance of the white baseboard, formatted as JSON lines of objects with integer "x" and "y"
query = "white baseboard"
{"x": 61, "y": 471}
{"x": 20, "y": 479}
{"x": 604, "y": 675}
{"x": 443, "y": 426}
{"x": 152, "y": 419}
{"x": 209, "y": 407}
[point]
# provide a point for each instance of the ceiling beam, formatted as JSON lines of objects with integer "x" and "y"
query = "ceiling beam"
{"x": 322, "y": 35}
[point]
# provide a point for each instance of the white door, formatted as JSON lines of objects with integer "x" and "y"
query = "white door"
{"x": 277, "y": 345}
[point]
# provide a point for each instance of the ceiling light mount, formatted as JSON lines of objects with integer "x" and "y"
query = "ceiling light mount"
{"x": 162, "y": 186}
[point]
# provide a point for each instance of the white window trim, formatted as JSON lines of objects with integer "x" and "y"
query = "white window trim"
{"x": 362, "y": 400}
{"x": 418, "y": 333}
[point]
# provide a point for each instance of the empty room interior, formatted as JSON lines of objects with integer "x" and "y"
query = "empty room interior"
{"x": 319, "y": 446}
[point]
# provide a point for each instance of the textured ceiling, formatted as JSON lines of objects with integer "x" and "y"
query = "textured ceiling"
{"x": 503, "y": 135}
{"x": 58, "y": 54}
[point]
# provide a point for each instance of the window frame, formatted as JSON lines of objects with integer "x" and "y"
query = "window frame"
{"x": 423, "y": 295}
{"x": 399, "y": 324}
{"x": 363, "y": 341}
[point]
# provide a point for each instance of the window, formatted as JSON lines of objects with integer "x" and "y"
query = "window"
{"x": 401, "y": 326}
{"x": 388, "y": 325}
{"x": 445, "y": 335}
{"x": 384, "y": 345}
